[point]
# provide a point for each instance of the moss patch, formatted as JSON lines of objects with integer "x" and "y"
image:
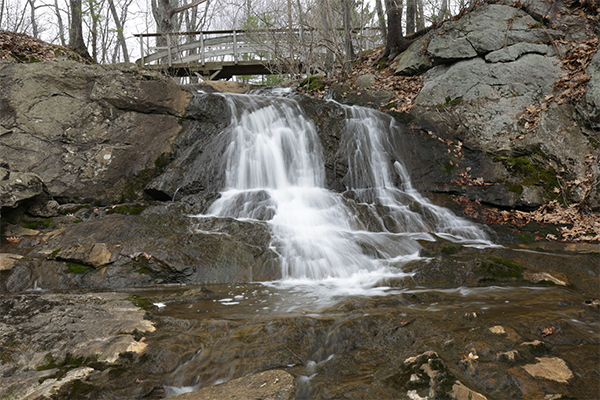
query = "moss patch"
{"x": 37, "y": 223}
{"x": 76, "y": 268}
{"x": 314, "y": 82}
{"x": 498, "y": 268}
{"x": 141, "y": 302}
{"x": 533, "y": 169}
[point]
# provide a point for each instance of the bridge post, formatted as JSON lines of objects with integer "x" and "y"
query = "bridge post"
{"x": 235, "y": 55}
{"x": 142, "y": 48}
{"x": 202, "y": 48}
{"x": 169, "y": 50}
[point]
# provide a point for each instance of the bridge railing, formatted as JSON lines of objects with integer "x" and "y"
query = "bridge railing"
{"x": 209, "y": 46}
{"x": 260, "y": 45}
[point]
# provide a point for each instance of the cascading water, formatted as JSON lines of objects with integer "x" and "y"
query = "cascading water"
{"x": 275, "y": 173}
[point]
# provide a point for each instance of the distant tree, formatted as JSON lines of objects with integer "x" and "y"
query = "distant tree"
{"x": 164, "y": 12}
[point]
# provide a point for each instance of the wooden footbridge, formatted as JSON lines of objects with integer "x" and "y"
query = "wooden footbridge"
{"x": 226, "y": 53}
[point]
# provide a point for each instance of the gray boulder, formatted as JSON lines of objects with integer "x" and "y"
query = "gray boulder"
{"x": 89, "y": 131}
{"x": 16, "y": 187}
{"x": 486, "y": 29}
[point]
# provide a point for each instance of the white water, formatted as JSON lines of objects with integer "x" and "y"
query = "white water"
{"x": 275, "y": 173}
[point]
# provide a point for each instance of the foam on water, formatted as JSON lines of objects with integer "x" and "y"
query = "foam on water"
{"x": 329, "y": 244}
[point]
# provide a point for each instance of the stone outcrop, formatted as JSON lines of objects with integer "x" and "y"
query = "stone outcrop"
{"x": 46, "y": 340}
{"x": 482, "y": 73}
{"x": 89, "y": 132}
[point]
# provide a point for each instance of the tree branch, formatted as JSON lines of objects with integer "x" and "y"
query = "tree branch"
{"x": 185, "y": 7}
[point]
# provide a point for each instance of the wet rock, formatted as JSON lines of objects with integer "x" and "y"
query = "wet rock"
{"x": 88, "y": 131}
{"x": 57, "y": 335}
{"x": 19, "y": 186}
{"x": 551, "y": 368}
{"x": 7, "y": 260}
{"x": 269, "y": 385}
{"x": 162, "y": 245}
{"x": 498, "y": 330}
{"x": 426, "y": 376}
{"x": 537, "y": 277}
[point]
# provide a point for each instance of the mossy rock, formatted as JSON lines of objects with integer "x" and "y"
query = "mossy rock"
{"x": 314, "y": 82}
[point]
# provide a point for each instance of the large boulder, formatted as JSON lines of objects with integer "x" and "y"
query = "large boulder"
{"x": 89, "y": 131}
{"x": 484, "y": 73}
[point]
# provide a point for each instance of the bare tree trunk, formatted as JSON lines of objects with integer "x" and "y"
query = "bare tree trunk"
{"x": 61, "y": 28}
{"x": 163, "y": 13}
{"x": 2, "y": 11}
{"x": 420, "y": 16}
{"x": 410, "y": 16}
{"x": 396, "y": 42}
{"x": 94, "y": 30}
{"x": 381, "y": 18}
{"x": 121, "y": 37}
{"x": 34, "y": 27}
{"x": 443, "y": 11}
{"x": 76, "y": 29}
{"x": 347, "y": 21}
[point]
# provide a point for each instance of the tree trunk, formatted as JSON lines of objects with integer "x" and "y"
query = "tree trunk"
{"x": 163, "y": 13}
{"x": 120, "y": 35}
{"x": 94, "y": 30}
{"x": 348, "y": 50}
{"x": 34, "y": 27}
{"x": 420, "y": 16}
{"x": 410, "y": 16}
{"x": 396, "y": 42}
{"x": 61, "y": 28}
{"x": 76, "y": 29}
{"x": 443, "y": 11}
{"x": 381, "y": 19}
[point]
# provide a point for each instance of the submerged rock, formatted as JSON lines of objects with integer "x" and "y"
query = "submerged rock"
{"x": 268, "y": 385}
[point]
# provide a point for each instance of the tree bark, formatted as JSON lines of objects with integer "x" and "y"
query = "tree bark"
{"x": 381, "y": 19}
{"x": 163, "y": 13}
{"x": 410, "y": 16}
{"x": 420, "y": 16}
{"x": 396, "y": 42}
{"x": 443, "y": 11}
{"x": 61, "y": 28}
{"x": 76, "y": 30}
{"x": 120, "y": 36}
{"x": 34, "y": 27}
{"x": 347, "y": 20}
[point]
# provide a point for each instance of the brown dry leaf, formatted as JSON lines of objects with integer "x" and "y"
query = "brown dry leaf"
{"x": 13, "y": 239}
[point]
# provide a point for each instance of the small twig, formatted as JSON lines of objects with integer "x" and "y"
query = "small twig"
{"x": 402, "y": 325}
{"x": 295, "y": 355}
{"x": 562, "y": 190}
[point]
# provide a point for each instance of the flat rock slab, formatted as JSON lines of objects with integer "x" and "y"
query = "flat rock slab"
{"x": 554, "y": 369}
{"x": 268, "y": 385}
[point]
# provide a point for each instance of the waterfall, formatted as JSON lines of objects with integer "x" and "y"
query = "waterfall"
{"x": 275, "y": 173}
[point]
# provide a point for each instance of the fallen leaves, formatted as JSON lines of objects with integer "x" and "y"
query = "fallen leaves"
{"x": 13, "y": 239}
{"x": 547, "y": 330}
{"x": 574, "y": 223}
{"x": 22, "y": 48}
{"x": 405, "y": 89}
{"x": 572, "y": 84}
